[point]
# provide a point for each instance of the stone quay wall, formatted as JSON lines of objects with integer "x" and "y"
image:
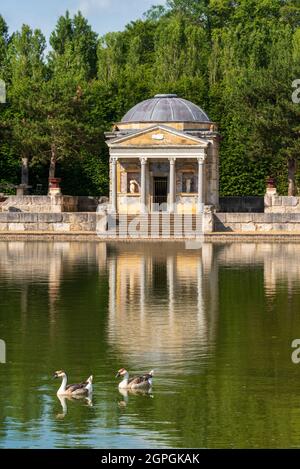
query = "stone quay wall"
{"x": 256, "y": 222}
{"x": 26, "y": 222}
{"x": 88, "y": 203}
{"x": 93, "y": 223}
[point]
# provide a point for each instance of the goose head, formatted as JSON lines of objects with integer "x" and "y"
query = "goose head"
{"x": 122, "y": 372}
{"x": 59, "y": 374}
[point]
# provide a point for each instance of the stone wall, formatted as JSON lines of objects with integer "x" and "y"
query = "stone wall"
{"x": 186, "y": 203}
{"x": 89, "y": 203}
{"x": 48, "y": 222}
{"x": 26, "y": 222}
{"x": 248, "y": 204}
{"x": 256, "y": 222}
{"x": 39, "y": 204}
{"x": 282, "y": 204}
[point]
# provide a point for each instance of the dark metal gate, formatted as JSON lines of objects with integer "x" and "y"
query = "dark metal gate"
{"x": 160, "y": 193}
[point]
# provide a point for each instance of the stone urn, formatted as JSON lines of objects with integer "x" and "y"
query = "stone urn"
{"x": 54, "y": 187}
{"x": 271, "y": 186}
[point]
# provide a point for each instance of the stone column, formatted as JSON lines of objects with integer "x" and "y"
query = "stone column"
{"x": 172, "y": 185}
{"x": 143, "y": 161}
{"x": 201, "y": 200}
{"x": 113, "y": 162}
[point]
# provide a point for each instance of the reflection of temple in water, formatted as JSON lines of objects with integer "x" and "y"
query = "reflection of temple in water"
{"x": 163, "y": 298}
{"x": 162, "y": 301}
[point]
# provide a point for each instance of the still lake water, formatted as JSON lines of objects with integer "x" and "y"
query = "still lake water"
{"x": 215, "y": 324}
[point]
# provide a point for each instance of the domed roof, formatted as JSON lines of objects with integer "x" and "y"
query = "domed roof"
{"x": 166, "y": 108}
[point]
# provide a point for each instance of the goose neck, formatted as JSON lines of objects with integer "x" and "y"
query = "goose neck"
{"x": 63, "y": 385}
{"x": 124, "y": 381}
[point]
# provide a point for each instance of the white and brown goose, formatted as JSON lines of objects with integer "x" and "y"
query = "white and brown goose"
{"x": 80, "y": 389}
{"x": 137, "y": 382}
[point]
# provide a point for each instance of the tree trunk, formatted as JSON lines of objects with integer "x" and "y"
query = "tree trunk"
{"x": 292, "y": 168}
{"x": 25, "y": 171}
{"x": 52, "y": 161}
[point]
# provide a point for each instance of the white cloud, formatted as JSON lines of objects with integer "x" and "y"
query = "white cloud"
{"x": 89, "y": 6}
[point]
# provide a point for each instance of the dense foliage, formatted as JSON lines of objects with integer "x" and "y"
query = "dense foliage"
{"x": 236, "y": 59}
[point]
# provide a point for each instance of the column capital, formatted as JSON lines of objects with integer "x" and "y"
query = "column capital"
{"x": 143, "y": 159}
{"x": 201, "y": 160}
{"x": 113, "y": 159}
{"x": 172, "y": 160}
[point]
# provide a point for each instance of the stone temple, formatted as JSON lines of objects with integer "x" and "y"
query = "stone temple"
{"x": 164, "y": 156}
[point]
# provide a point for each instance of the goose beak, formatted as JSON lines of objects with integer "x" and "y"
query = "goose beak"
{"x": 54, "y": 376}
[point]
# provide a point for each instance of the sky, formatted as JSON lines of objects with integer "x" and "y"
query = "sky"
{"x": 103, "y": 15}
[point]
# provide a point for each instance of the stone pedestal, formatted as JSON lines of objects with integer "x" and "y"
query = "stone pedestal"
{"x": 208, "y": 219}
{"x": 22, "y": 189}
{"x": 101, "y": 220}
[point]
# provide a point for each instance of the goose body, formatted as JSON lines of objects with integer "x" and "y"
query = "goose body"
{"x": 137, "y": 382}
{"x": 81, "y": 389}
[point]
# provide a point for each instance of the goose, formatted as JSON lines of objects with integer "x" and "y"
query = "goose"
{"x": 138, "y": 382}
{"x": 81, "y": 389}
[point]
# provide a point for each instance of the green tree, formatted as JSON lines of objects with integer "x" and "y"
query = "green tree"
{"x": 25, "y": 73}
{"x": 74, "y": 46}
{"x": 236, "y": 59}
{"x": 3, "y": 45}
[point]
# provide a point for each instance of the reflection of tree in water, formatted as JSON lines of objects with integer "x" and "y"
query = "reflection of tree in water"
{"x": 43, "y": 321}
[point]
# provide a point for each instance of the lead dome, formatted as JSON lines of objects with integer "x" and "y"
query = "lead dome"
{"x": 165, "y": 108}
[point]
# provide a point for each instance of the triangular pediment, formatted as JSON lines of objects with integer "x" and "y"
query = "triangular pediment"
{"x": 159, "y": 135}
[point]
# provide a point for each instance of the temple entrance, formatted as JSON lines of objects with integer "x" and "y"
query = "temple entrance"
{"x": 160, "y": 194}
